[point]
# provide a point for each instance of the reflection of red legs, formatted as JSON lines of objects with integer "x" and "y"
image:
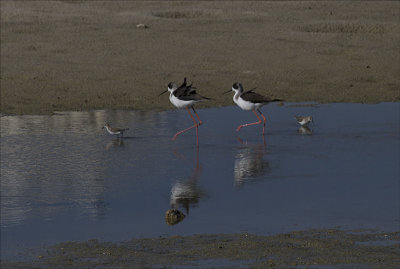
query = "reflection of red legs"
{"x": 182, "y": 157}
{"x": 241, "y": 141}
{"x": 197, "y": 135}
{"x": 253, "y": 123}
{"x": 265, "y": 145}
{"x": 196, "y": 125}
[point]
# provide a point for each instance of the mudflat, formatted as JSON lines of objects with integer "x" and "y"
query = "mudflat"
{"x": 303, "y": 249}
{"x": 84, "y": 55}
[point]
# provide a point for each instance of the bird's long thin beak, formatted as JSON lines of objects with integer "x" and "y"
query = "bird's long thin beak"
{"x": 162, "y": 92}
{"x": 227, "y": 92}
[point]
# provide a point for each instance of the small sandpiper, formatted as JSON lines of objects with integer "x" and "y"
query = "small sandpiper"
{"x": 185, "y": 96}
{"x": 115, "y": 131}
{"x": 304, "y": 121}
{"x": 249, "y": 100}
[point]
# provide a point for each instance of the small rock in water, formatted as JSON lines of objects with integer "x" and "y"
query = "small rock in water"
{"x": 174, "y": 216}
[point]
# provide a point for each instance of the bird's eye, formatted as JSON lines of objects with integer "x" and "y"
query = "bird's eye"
{"x": 235, "y": 85}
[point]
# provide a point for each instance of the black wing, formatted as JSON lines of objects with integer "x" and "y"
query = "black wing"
{"x": 185, "y": 91}
{"x": 254, "y": 97}
{"x": 183, "y": 84}
{"x": 188, "y": 92}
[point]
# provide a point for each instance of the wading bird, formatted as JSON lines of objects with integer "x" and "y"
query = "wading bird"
{"x": 185, "y": 96}
{"x": 115, "y": 131}
{"x": 249, "y": 100}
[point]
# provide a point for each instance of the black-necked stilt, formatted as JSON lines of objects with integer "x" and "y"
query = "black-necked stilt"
{"x": 114, "y": 131}
{"x": 249, "y": 100}
{"x": 304, "y": 121}
{"x": 185, "y": 96}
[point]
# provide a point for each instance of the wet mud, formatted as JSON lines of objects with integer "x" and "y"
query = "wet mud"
{"x": 301, "y": 249}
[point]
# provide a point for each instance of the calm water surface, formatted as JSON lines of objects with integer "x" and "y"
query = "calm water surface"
{"x": 63, "y": 178}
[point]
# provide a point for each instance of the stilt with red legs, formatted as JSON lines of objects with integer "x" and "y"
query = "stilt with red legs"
{"x": 250, "y": 100}
{"x": 185, "y": 96}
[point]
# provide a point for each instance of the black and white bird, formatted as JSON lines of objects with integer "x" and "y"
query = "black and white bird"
{"x": 185, "y": 96}
{"x": 250, "y": 100}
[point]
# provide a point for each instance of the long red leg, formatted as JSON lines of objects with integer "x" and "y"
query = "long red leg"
{"x": 259, "y": 111}
{"x": 197, "y": 135}
{"x": 187, "y": 129}
{"x": 200, "y": 121}
{"x": 197, "y": 127}
{"x": 248, "y": 124}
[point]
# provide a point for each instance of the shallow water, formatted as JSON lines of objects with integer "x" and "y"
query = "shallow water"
{"x": 63, "y": 178}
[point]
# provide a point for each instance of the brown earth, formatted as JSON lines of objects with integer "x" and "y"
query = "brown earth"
{"x": 84, "y": 55}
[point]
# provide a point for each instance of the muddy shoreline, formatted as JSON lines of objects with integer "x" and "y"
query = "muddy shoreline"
{"x": 306, "y": 249}
{"x": 85, "y": 55}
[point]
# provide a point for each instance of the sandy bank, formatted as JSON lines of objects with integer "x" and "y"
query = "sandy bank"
{"x": 82, "y": 55}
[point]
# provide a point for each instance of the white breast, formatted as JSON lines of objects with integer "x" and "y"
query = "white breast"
{"x": 246, "y": 105}
{"x": 111, "y": 132}
{"x": 180, "y": 103}
{"x": 304, "y": 121}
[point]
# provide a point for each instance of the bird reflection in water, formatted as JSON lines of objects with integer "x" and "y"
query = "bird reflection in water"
{"x": 184, "y": 194}
{"x": 119, "y": 142}
{"x": 249, "y": 162}
{"x": 305, "y": 130}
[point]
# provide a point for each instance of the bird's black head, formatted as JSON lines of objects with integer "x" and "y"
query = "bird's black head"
{"x": 236, "y": 85}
